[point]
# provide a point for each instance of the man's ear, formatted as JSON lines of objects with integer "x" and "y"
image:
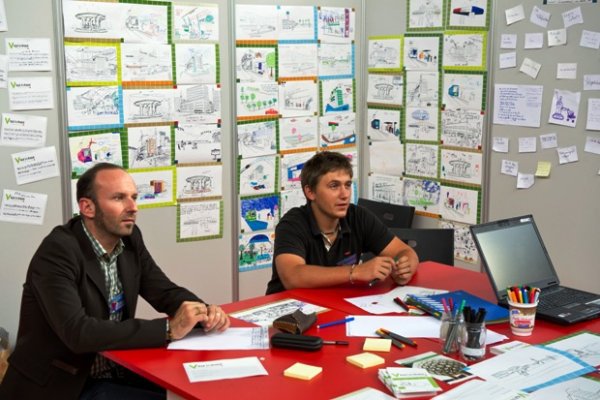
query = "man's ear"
{"x": 87, "y": 208}
{"x": 310, "y": 195}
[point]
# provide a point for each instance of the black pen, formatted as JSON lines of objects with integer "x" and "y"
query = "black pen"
{"x": 340, "y": 342}
{"x": 373, "y": 282}
{"x": 401, "y": 338}
{"x": 395, "y": 342}
{"x": 402, "y": 304}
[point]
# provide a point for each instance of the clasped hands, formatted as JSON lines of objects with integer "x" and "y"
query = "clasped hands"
{"x": 189, "y": 313}
{"x": 381, "y": 267}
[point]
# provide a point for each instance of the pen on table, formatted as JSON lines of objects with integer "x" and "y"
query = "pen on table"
{"x": 338, "y": 322}
{"x": 401, "y": 303}
{"x": 395, "y": 342}
{"x": 401, "y": 338}
{"x": 340, "y": 342}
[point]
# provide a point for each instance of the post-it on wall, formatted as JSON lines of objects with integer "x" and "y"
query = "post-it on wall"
{"x": 302, "y": 371}
{"x": 365, "y": 360}
{"x": 373, "y": 344}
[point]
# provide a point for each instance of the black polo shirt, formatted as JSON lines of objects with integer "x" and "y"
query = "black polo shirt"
{"x": 298, "y": 233}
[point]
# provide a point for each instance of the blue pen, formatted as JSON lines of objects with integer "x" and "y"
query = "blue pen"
{"x": 338, "y": 322}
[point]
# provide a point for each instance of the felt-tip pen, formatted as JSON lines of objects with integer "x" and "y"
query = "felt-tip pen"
{"x": 340, "y": 342}
{"x": 338, "y": 322}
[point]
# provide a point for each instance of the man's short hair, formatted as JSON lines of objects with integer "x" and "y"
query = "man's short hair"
{"x": 85, "y": 184}
{"x": 321, "y": 164}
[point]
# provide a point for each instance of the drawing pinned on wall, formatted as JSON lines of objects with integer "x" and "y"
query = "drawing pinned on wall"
{"x": 298, "y": 59}
{"x": 254, "y": 22}
{"x": 199, "y": 181}
{"x": 423, "y": 194}
{"x": 195, "y": 22}
{"x": 146, "y": 62}
{"x": 94, "y": 107}
{"x": 199, "y": 220}
{"x": 336, "y": 24}
{"x": 385, "y": 89}
{"x": 257, "y": 99}
{"x": 564, "y": 109}
{"x": 149, "y": 146}
{"x": 336, "y": 59}
{"x": 148, "y": 105}
{"x": 425, "y": 15}
{"x": 291, "y": 167}
{"x": 298, "y": 98}
{"x": 338, "y": 96}
{"x": 196, "y": 63}
{"x": 465, "y": 50}
{"x": 256, "y": 63}
{"x": 422, "y": 160}
{"x": 464, "y": 245}
{"x": 298, "y": 133}
{"x": 256, "y": 250}
{"x": 97, "y": 20}
{"x": 197, "y": 143}
{"x": 421, "y": 123}
{"x": 462, "y": 128}
{"x": 422, "y": 52}
{"x": 458, "y": 204}
{"x": 386, "y": 188}
{"x": 145, "y": 23}
{"x": 257, "y": 138}
{"x": 463, "y": 91}
{"x": 386, "y": 158}
{"x": 259, "y": 213}
{"x": 384, "y": 54}
{"x": 91, "y": 63}
{"x": 91, "y": 149}
{"x": 337, "y": 129}
{"x": 156, "y": 187}
{"x": 422, "y": 88}
{"x": 290, "y": 199}
{"x": 296, "y": 22}
{"x": 258, "y": 175}
{"x": 198, "y": 104}
{"x": 461, "y": 166}
{"x": 383, "y": 124}
{"x": 468, "y": 14}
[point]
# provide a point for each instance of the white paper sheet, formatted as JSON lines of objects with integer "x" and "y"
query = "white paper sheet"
{"x": 530, "y": 67}
{"x": 3, "y": 21}
{"x": 30, "y": 93}
{"x": 3, "y": 70}
{"x": 384, "y": 303}
{"x": 593, "y": 115}
{"x": 508, "y": 60}
{"x": 508, "y": 41}
{"x": 591, "y": 82}
{"x": 23, "y": 207}
{"x": 567, "y": 154}
{"x": 519, "y": 105}
{"x": 28, "y": 54}
{"x": 590, "y": 39}
{"x": 514, "y": 14}
{"x": 35, "y": 165}
{"x": 509, "y": 167}
{"x": 525, "y": 181}
{"x": 557, "y": 37}
{"x": 566, "y": 71}
{"x": 549, "y": 141}
{"x": 527, "y": 144}
{"x": 23, "y": 130}
{"x": 592, "y": 145}
{"x": 574, "y": 389}
{"x": 214, "y": 370}
{"x": 265, "y": 314}
{"x": 539, "y": 17}
{"x": 564, "y": 109}
{"x": 232, "y": 339}
{"x": 533, "y": 41}
{"x": 476, "y": 389}
{"x": 572, "y": 17}
{"x": 500, "y": 144}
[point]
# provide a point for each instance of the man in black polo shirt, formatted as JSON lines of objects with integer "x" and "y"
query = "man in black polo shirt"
{"x": 320, "y": 244}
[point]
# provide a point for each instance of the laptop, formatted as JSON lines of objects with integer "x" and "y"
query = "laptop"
{"x": 513, "y": 253}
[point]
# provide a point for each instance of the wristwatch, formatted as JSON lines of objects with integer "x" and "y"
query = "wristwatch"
{"x": 168, "y": 333}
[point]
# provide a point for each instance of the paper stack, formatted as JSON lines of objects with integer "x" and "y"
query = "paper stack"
{"x": 408, "y": 382}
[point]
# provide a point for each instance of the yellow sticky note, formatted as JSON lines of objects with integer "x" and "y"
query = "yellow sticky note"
{"x": 302, "y": 371}
{"x": 373, "y": 344}
{"x": 365, "y": 360}
{"x": 543, "y": 169}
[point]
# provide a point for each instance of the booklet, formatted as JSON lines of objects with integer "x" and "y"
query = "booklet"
{"x": 443, "y": 368}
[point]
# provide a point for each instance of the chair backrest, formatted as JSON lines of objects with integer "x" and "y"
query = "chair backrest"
{"x": 429, "y": 244}
{"x": 392, "y": 215}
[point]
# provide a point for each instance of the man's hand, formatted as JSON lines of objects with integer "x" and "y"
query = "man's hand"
{"x": 402, "y": 272}
{"x": 376, "y": 268}
{"x": 190, "y": 313}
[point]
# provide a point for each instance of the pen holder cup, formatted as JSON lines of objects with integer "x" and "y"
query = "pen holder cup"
{"x": 522, "y": 318}
{"x": 450, "y": 332}
{"x": 472, "y": 341}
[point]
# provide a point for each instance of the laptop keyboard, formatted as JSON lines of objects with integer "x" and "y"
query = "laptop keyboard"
{"x": 561, "y": 297}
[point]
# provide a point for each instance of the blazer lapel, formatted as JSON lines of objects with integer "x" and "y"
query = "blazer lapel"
{"x": 129, "y": 279}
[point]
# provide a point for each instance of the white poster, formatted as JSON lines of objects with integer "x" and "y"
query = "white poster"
{"x": 31, "y": 93}
{"x": 519, "y": 105}
{"x": 23, "y": 207}
{"x": 28, "y": 54}
{"x": 23, "y": 130}
{"x": 35, "y": 165}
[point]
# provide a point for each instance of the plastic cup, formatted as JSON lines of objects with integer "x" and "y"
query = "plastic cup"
{"x": 522, "y": 318}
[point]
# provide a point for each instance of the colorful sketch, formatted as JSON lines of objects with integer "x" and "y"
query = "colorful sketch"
{"x": 256, "y": 64}
{"x": 421, "y": 123}
{"x": 298, "y": 60}
{"x": 422, "y": 160}
{"x": 195, "y": 22}
{"x": 91, "y": 149}
{"x": 461, "y": 166}
{"x": 336, "y": 24}
{"x": 258, "y": 175}
{"x": 386, "y": 188}
{"x": 196, "y": 143}
{"x": 384, "y": 54}
{"x": 298, "y": 98}
{"x": 94, "y": 107}
{"x": 565, "y": 108}
{"x": 257, "y": 139}
{"x": 462, "y": 128}
{"x": 385, "y": 89}
{"x": 422, "y": 52}
{"x": 386, "y": 158}
{"x": 290, "y": 199}
{"x": 87, "y": 63}
{"x": 463, "y": 91}
{"x": 383, "y": 124}
{"x": 461, "y": 205}
{"x": 336, "y": 59}
{"x": 256, "y": 250}
{"x": 156, "y": 187}
{"x": 199, "y": 181}
{"x": 468, "y": 13}
{"x": 198, "y": 104}
{"x": 464, "y": 50}
{"x": 92, "y": 20}
{"x": 259, "y": 213}
{"x": 199, "y": 220}
{"x": 425, "y": 14}
{"x": 338, "y": 95}
{"x": 145, "y": 23}
{"x": 464, "y": 245}
{"x": 146, "y": 62}
{"x": 149, "y": 146}
{"x": 296, "y": 22}
{"x": 298, "y": 133}
{"x": 337, "y": 129}
{"x": 148, "y": 105}
{"x": 257, "y": 98}
{"x": 291, "y": 167}
{"x": 423, "y": 194}
{"x": 422, "y": 88}
{"x": 196, "y": 63}
{"x": 255, "y": 22}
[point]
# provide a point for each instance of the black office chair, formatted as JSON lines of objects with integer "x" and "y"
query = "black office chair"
{"x": 392, "y": 215}
{"x": 429, "y": 244}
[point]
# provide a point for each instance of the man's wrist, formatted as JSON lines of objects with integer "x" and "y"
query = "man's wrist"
{"x": 168, "y": 333}
{"x": 352, "y": 267}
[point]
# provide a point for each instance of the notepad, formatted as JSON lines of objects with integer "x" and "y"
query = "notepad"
{"x": 302, "y": 371}
{"x": 504, "y": 347}
{"x": 365, "y": 360}
{"x": 372, "y": 344}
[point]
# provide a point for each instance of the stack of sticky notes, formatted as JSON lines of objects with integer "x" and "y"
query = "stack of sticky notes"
{"x": 372, "y": 344}
{"x": 408, "y": 382}
{"x": 365, "y": 360}
{"x": 302, "y": 371}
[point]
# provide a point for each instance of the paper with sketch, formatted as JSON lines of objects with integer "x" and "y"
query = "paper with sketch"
{"x": 231, "y": 339}
{"x": 28, "y": 54}
{"x": 565, "y": 108}
{"x": 214, "y": 370}
{"x": 265, "y": 314}
{"x": 23, "y": 130}
{"x": 384, "y": 303}
{"x": 477, "y": 390}
{"x": 519, "y": 105}
{"x": 585, "y": 345}
{"x": 23, "y": 207}
{"x": 35, "y": 165}
{"x": 583, "y": 388}
{"x": 593, "y": 115}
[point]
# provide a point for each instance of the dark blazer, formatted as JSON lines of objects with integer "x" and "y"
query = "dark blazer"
{"x": 64, "y": 319}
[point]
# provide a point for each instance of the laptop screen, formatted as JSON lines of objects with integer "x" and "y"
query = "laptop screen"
{"x": 513, "y": 253}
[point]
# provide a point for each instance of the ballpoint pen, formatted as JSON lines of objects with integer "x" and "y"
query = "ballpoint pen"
{"x": 395, "y": 342}
{"x": 338, "y": 322}
{"x": 401, "y": 338}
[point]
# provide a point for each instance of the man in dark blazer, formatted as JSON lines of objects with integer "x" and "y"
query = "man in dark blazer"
{"x": 80, "y": 297}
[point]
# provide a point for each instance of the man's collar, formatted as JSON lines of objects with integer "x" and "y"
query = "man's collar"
{"x": 314, "y": 227}
{"x": 99, "y": 250}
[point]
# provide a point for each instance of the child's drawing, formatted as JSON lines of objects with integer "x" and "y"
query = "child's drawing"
{"x": 338, "y": 95}
{"x": 422, "y": 194}
{"x": 89, "y": 62}
{"x": 422, "y": 88}
{"x": 259, "y": 213}
{"x": 196, "y": 143}
{"x": 195, "y": 22}
{"x": 89, "y": 107}
{"x": 336, "y": 24}
{"x": 461, "y": 166}
{"x": 148, "y": 105}
{"x": 155, "y": 186}
{"x": 255, "y": 22}
{"x": 464, "y": 50}
{"x": 196, "y": 63}
{"x": 564, "y": 108}
{"x": 257, "y": 138}
{"x": 384, "y": 54}
{"x": 290, "y": 199}
{"x": 146, "y": 62}
{"x": 464, "y": 245}
{"x": 337, "y": 129}
{"x": 386, "y": 158}
{"x": 459, "y": 204}
{"x": 425, "y": 14}
{"x": 422, "y": 52}
{"x": 383, "y": 124}
{"x": 291, "y": 166}
{"x": 256, "y": 64}
{"x": 298, "y": 60}
{"x": 149, "y": 146}
{"x": 256, "y": 250}
{"x": 89, "y": 150}
{"x": 386, "y": 188}
{"x": 258, "y": 175}
{"x": 144, "y": 23}
{"x": 421, "y": 123}
{"x": 462, "y": 128}
{"x": 97, "y": 20}
{"x": 199, "y": 220}
{"x": 257, "y": 98}
{"x": 385, "y": 89}
{"x": 468, "y": 13}
{"x": 298, "y": 98}
{"x": 198, "y": 104}
{"x": 298, "y": 133}
{"x": 296, "y": 22}
{"x": 422, "y": 160}
{"x": 195, "y": 182}
{"x": 336, "y": 59}
{"x": 463, "y": 91}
